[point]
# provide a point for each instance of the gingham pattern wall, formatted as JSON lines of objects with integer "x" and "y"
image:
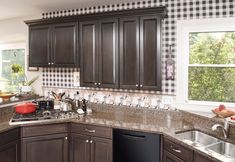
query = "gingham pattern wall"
{"x": 177, "y": 9}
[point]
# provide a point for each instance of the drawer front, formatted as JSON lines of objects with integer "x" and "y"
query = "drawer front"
{"x": 44, "y": 130}
{"x": 9, "y": 136}
{"x": 178, "y": 150}
{"x": 92, "y": 130}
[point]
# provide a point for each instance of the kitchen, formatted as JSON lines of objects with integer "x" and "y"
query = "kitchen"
{"x": 128, "y": 60}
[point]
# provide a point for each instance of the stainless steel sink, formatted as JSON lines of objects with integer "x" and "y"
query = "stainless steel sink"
{"x": 223, "y": 148}
{"x": 197, "y": 138}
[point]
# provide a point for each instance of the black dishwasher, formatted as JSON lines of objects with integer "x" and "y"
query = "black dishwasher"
{"x": 133, "y": 146}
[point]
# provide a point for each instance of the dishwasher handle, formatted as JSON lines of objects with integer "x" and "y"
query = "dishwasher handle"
{"x": 134, "y": 137}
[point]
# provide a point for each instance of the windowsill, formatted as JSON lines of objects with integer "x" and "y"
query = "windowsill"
{"x": 204, "y": 108}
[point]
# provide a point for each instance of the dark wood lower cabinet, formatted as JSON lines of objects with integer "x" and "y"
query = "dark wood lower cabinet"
{"x": 101, "y": 150}
{"x": 79, "y": 148}
{"x": 168, "y": 157}
{"x": 201, "y": 158}
{"x": 84, "y": 148}
{"x": 10, "y": 146}
{"x": 10, "y": 152}
{"x": 47, "y": 148}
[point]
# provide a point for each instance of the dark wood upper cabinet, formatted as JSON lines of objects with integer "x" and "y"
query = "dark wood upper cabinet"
{"x": 140, "y": 52}
{"x": 64, "y": 43}
{"x": 129, "y": 53}
{"x": 99, "y": 53}
{"x": 39, "y": 45}
{"x": 108, "y": 53}
{"x": 53, "y": 45}
{"x": 150, "y": 53}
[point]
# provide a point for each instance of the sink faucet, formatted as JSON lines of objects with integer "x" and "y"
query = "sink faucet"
{"x": 223, "y": 127}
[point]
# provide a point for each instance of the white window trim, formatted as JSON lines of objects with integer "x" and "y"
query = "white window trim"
{"x": 184, "y": 27}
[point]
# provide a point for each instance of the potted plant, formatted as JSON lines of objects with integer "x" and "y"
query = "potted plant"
{"x": 27, "y": 85}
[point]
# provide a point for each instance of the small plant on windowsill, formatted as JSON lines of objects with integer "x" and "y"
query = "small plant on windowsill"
{"x": 26, "y": 86}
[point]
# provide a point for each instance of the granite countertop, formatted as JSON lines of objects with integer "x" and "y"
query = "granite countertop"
{"x": 166, "y": 122}
{"x": 16, "y": 99}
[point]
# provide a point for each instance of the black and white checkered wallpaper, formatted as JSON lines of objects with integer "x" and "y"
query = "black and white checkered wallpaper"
{"x": 177, "y": 10}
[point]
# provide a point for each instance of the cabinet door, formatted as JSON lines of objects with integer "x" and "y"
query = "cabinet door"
{"x": 150, "y": 53}
{"x": 108, "y": 53}
{"x": 88, "y": 38}
{"x": 129, "y": 53}
{"x": 50, "y": 148}
{"x": 168, "y": 157}
{"x": 64, "y": 43}
{"x": 10, "y": 152}
{"x": 80, "y": 148}
{"x": 201, "y": 158}
{"x": 39, "y": 46}
{"x": 101, "y": 150}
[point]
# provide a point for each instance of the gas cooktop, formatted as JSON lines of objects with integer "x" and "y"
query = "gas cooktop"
{"x": 41, "y": 116}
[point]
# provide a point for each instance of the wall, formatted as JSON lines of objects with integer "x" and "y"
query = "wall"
{"x": 177, "y": 10}
{"x": 14, "y": 31}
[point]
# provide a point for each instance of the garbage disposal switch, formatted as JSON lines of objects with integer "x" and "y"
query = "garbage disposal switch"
{"x": 133, "y": 146}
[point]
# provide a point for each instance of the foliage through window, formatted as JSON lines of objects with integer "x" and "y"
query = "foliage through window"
{"x": 12, "y": 64}
{"x": 211, "y": 71}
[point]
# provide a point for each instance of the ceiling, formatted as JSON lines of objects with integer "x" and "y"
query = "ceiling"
{"x": 10, "y": 9}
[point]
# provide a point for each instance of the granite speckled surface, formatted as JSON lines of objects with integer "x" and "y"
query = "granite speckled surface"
{"x": 165, "y": 122}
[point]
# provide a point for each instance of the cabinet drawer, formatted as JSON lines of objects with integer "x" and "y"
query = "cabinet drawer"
{"x": 92, "y": 130}
{"x": 9, "y": 136}
{"x": 44, "y": 130}
{"x": 178, "y": 150}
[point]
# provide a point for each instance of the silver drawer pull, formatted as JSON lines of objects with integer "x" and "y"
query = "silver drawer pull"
{"x": 178, "y": 151}
{"x": 87, "y": 141}
{"x": 91, "y": 141}
{"x": 90, "y": 131}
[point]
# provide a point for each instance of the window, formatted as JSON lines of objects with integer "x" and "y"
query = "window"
{"x": 12, "y": 66}
{"x": 206, "y": 61}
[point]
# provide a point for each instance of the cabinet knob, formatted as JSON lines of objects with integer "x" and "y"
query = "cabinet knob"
{"x": 95, "y": 83}
{"x": 52, "y": 63}
{"x": 49, "y": 63}
{"x": 136, "y": 85}
{"x": 66, "y": 138}
{"x": 91, "y": 141}
{"x": 87, "y": 141}
{"x": 99, "y": 84}
{"x": 141, "y": 85}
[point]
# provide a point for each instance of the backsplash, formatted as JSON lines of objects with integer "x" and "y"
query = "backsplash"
{"x": 54, "y": 78}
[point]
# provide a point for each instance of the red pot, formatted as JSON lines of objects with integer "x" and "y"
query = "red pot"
{"x": 25, "y": 108}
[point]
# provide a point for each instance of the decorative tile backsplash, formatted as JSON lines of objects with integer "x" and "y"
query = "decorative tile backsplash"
{"x": 177, "y": 10}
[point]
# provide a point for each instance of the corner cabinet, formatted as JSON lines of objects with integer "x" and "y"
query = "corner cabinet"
{"x": 99, "y": 53}
{"x": 53, "y": 45}
{"x": 140, "y": 52}
{"x": 45, "y": 143}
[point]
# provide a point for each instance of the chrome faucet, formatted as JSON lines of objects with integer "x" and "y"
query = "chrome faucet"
{"x": 223, "y": 127}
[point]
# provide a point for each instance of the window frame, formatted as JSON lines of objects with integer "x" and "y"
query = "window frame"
{"x": 184, "y": 27}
